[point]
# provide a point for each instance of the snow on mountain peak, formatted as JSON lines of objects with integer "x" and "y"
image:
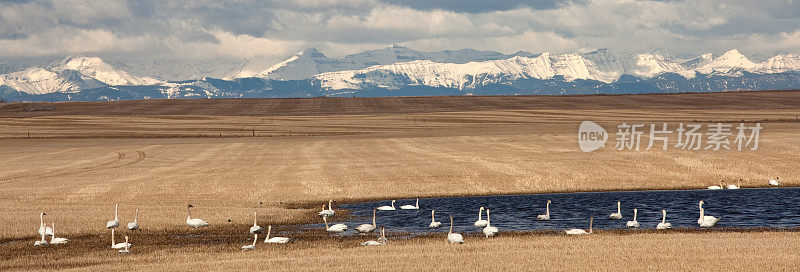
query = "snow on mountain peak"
{"x": 98, "y": 69}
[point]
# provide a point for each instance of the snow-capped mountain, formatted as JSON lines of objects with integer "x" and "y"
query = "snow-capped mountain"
{"x": 98, "y": 69}
{"x": 37, "y": 80}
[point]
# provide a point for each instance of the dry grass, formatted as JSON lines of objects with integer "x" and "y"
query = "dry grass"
{"x": 86, "y": 156}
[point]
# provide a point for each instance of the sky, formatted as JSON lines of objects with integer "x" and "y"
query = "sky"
{"x": 273, "y": 30}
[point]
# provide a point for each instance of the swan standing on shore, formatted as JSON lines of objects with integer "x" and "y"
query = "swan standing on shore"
{"x": 127, "y": 248}
{"x": 135, "y": 224}
{"x": 381, "y": 241}
{"x": 546, "y": 216}
{"x": 387, "y": 208}
{"x": 54, "y": 240}
{"x": 114, "y": 223}
{"x": 194, "y": 222}
{"x": 434, "y": 223}
{"x": 664, "y": 224}
{"x": 489, "y": 231}
{"x": 480, "y": 223}
{"x": 253, "y": 246}
{"x": 44, "y": 230}
{"x": 274, "y": 240}
{"x": 454, "y": 238}
{"x": 617, "y": 215}
{"x": 335, "y": 227}
{"x": 411, "y": 207}
{"x": 581, "y": 231}
{"x": 775, "y": 182}
{"x": 634, "y": 223}
{"x": 734, "y": 187}
{"x": 706, "y": 220}
{"x": 255, "y": 228}
{"x": 367, "y": 228}
{"x": 329, "y": 212}
{"x": 115, "y": 245}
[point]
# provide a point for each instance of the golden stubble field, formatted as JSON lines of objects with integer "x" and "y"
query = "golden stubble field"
{"x": 283, "y": 158}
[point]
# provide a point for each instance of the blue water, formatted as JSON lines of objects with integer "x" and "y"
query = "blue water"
{"x": 744, "y": 208}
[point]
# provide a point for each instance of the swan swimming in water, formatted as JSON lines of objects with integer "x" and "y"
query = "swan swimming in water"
{"x": 489, "y": 231}
{"x": 411, "y": 207}
{"x": 546, "y": 216}
{"x": 706, "y": 220}
{"x": 367, "y": 228}
{"x": 194, "y": 222}
{"x": 54, "y": 240}
{"x": 581, "y": 231}
{"x": 335, "y": 227}
{"x": 255, "y": 228}
{"x": 387, "y": 208}
{"x": 44, "y": 230}
{"x": 135, "y": 224}
{"x": 634, "y": 223}
{"x": 664, "y": 224}
{"x": 114, "y": 223}
{"x": 253, "y": 246}
{"x": 454, "y": 238}
{"x": 434, "y": 223}
{"x": 480, "y": 223}
{"x": 274, "y": 240}
{"x": 715, "y": 187}
{"x": 617, "y": 215}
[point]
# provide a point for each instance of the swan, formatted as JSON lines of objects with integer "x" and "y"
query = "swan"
{"x": 489, "y": 231}
{"x": 54, "y": 240}
{"x": 194, "y": 222}
{"x": 387, "y": 208}
{"x": 618, "y": 214}
{"x": 114, "y": 223}
{"x": 634, "y": 223}
{"x": 381, "y": 241}
{"x": 44, "y": 230}
{"x": 581, "y": 231}
{"x": 329, "y": 212}
{"x": 115, "y": 245}
{"x": 480, "y": 223}
{"x": 135, "y": 224}
{"x": 274, "y": 240}
{"x": 454, "y": 238}
{"x": 734, "y": 187}
{"x": 434, "y": 223}
{"x": 546, "y": 216}
{"x": 383, "y": 236}
{"x": 706, "y": 220}
{"x": 715, "y": 187}
{"x": 367, "y": 228}
{"x": 255, "y": 228}
{"x": 253, "y": 246}
{"x": 127, "y": 248}
{"x": 775, "y": 182}
{"x": 42, "y": 242}
{"x": 411, "y": 207}
{"x": 664, "y": 224}
{"x": 335, "y": 227}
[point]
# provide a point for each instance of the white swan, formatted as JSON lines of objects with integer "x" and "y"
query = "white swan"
{"x": 634, "y": 223}
{"x": 664, "y": 224}
{"x": 329, "y": 212}
{"x": 255, "y": 228}
{"x": 135, "y": 224}
{"x": 115, "y": 245}
{"x": 434, "y": 223}
{"x": 715, "y": 187}
{"x": 454, "y": 238}
{"x": 489, "y": 231}
{"x": 706, "y": 220}
{"x": 335, "y": 227}
{"x": 581, "y": 231}
{"x": 480, "y": 223}
{"x": 546, "y": 216}
{"x": 367, "y": 228}
{"x": 775, "y": 182}
{"x": 387, "y": 208}
{"x": 127, "y": 248}
{"x": 253, "y": 246}
{"x": 381, "y": 241}
{"x": 194, "y": 222}
{"x": 44, "y": 230}
{"x": 114, "y": 223}
{"x": 274, "y": 240}
{"x": 54, "y": 240}
{"x": 411, "y": 207}
{"x": 734, "y": 187}
{"x": 617, "y": 215}
{"x": 42, "y": 242}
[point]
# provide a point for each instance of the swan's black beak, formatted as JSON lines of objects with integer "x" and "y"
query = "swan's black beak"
{"x": 190, "y": 206}
{"x": 44, "y": 214}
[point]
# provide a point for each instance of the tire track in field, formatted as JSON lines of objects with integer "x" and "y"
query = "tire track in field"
{"x": 111, "y": 164}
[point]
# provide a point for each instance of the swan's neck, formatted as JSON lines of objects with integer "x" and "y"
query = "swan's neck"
{"x": 255, "y": 239}
{"x": 373, "y": 218}
{"x": 480, "y": 214}
{"x": 392, "y": 204}
{"x": 189, "y": 213}
{"x": 255, "y": 219}
{"x": 663, "y": 217}
{"x": 619, "y": 208}
{"x": 590, "y": 225}
{"x": 136, "y": 218}
{"x": 417, "y": 203}
{"x": 548, "y": 209}
{"x": 325, "y": 218}
{"x": 433, "y": 216}
{"x": 269, "y": 229}
{"x": 451, "y": 226}
{"x": 116, "y": 207}
{"x": 702, "y": 213}
{"x": 488, "y": 219}
{"x": 634, "y": 215}
{"x": 41, "y": 220}
{"x": 112, "y": 238}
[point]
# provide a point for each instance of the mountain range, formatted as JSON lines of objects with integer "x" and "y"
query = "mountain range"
{"x": 397, "y": 71}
